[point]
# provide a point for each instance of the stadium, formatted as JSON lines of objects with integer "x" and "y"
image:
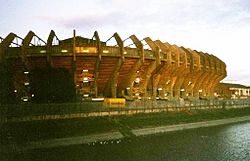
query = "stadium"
{"x": 89, "y": 68}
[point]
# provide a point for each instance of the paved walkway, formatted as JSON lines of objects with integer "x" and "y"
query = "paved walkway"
{"x": 162, "y": 129}
{"x": 116, "y": 135}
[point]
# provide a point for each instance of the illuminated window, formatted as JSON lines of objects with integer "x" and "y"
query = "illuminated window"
{"x": 137, "y": 80}
{"x": 85, "y": 80}
{"x": 85, "y": 70}
{"x": 42, "y": 51}
{"x": 105, "y": 51}
{"x": 64, "y": 51}
{"x": 85, "y": 49}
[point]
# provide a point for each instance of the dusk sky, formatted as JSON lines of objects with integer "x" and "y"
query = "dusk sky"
{"x": 218, "y": 27}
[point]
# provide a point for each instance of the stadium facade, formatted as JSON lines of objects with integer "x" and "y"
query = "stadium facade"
{"x": 162, "y": 71}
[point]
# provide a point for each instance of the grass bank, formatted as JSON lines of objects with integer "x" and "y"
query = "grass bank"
{"x": 22, "y": 132}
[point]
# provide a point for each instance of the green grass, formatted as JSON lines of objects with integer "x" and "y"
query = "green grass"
{"x": 159, "y": 119}
{"x": 38, "y": 130}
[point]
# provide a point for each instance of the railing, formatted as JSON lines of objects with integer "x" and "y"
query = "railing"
{"x": 29, "y": 109}
{"x": 109, "y": 50}
{"x": 56, "y": 49}
{"x": 163, "y": 55}
{"x": 65, "y": 50}
{"x": 14, "y": 51}
{"x": 36, "y": 50}
{"x": 149, "y": 53}
{"x": 131, "y": 52}
{"x": 196, "y": 103}
{"x": 181, "y": 58}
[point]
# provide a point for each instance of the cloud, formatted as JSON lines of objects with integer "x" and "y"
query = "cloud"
{"x": 86, "y": 20}
{"x": 178, "y": 15}
{"x": 243, "y": 78}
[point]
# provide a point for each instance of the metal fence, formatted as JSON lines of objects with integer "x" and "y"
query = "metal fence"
{"x": 30, "y": 109}
{"x": 195, "y": 103}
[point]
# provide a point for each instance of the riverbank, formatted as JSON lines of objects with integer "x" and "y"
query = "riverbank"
{"x": 116, "y": 137}
{"x": 21, "y": 133}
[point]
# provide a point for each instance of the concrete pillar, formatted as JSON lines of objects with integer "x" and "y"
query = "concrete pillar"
{"x": 203, "y": 75}
{"x": 112, "y": 83}
{"x": 210, "y": 76}
{"x": 25, "y": 45}
{"x": 174, "y": 68}
{"x": 196, "y": 73}
{"x": 97, "y": 63}
{"x": 188, "y": 79}
{"x": 221, "y": 74}
{"x": 127, "y": 84}
{"x": 214, "y": 78}
{"x": 146, "y": 76}
{"x": 49, "y": 47}
{"x": 73, "y": 63}
{"x": 164, "y": 73}
{"x": 182, "y": 73}
{"x": 5, "y": 44}
{"x": 155, "y": 74}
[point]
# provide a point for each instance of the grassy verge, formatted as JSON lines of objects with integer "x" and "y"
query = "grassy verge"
{"x": 160, "y": 119}
{"x": 39, "y": 130}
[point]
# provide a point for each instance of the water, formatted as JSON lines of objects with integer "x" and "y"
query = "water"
{"x": 221, "y": 143}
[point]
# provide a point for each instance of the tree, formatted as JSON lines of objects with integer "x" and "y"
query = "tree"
{"x": 52, "y": 85}
{"x": 7, "y": 95}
